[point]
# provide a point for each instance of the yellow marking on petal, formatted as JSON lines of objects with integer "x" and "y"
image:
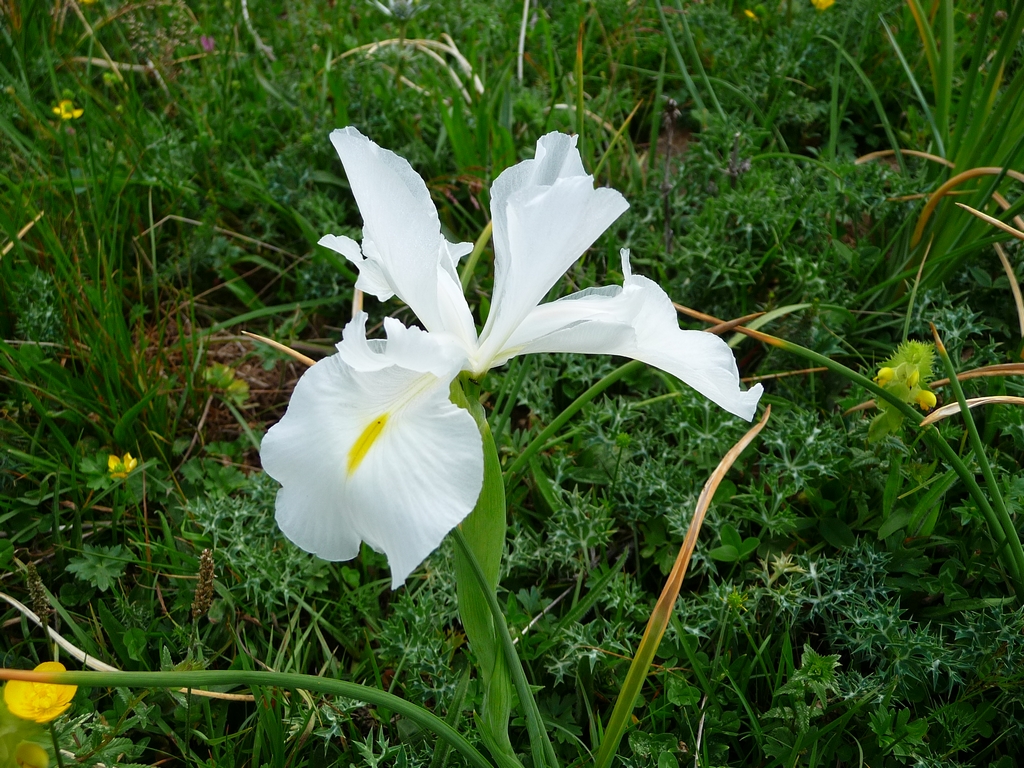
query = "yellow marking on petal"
{"x": 364, "y": 442}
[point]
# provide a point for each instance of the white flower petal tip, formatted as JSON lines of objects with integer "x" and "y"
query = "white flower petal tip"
{"x": 371, "y": 449}
{"x": 638, "y": 321}
{"x": 403, "y": 251}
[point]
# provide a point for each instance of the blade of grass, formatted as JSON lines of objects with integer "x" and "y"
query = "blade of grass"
{"x": 1011, "y": 276}
{"x": 692, "y": 48}
{"x": 690, "y": 86}
{"x": 956, "y": 181}
{"x": 441, "y": 750}
{"x": 939, "y": 143}
{"x": 1009, "y": 528}
{"x": 927, "y": 36}
{"x": 615, "y": 138}
{"x": 208, "y": 679}
{"x": 948, "y": 410}
{"x": 874, "y": 99}
{"x": 994, "y": 221}
{"x": 663, "y": 609}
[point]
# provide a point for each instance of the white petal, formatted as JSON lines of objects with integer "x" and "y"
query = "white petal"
{"x": 400, "y": 486}
{"x": 403, "y": 250}
{"x": 637, "y": 321}
{"x": 546, "y": 214}
{"x": 372, "y": 279}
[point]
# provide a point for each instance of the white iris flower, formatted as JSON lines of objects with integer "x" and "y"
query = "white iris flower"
{"x": 371, "y": 448}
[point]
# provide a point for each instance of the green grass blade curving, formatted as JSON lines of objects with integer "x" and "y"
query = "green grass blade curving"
{"x": 291, "y": 681}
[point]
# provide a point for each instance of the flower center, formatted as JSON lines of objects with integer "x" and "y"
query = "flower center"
{"x": 364, "y": 442}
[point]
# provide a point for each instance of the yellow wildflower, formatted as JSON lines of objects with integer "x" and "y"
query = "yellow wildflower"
{"x": 31, "y": 755}
{"x": 750, "y": 14}
{"x": 822, "y": 5}
{"x": 120, "y": 467}
{"x": 885, "y": 375}
{"x": 67, "y": 110}
{"x": 925, "y": 399}
{"x": 39, "y": 702}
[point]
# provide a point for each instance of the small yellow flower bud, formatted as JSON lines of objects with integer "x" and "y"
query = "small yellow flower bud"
{"x": 823, "y": 5}
{"x": 913, "y": 378}
{"x": 750, "y": 14}
{"x": 885, "y": 375}
{"x": 925, "y": 399}
{"x": 31, "y": 755}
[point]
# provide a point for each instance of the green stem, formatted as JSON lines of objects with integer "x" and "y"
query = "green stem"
{"x": 208, "y": 679}
{"x": 1003, "y": 516}
{"x": 631, "y": 687}
{"x": 474, "y": 256}
{"x": 56, "y": 747}
{"x": 538, "y": 736}
{"x": 538, "y": 442}
{"x": 936, "y": 441}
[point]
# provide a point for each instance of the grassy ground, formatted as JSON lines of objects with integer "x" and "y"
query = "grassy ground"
{"x": 851, "y": 601}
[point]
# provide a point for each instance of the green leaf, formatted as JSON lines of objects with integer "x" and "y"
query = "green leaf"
{"x": 730, "y": 537}
{"x": 896, "y": 522}
{"x": 100, "y": 566}
{"x": 135, "y": 641}
{"x": 484, "y": 531}
{"x": 837, "y": 533}
{"x": 726, "y": 554}
{"x": 681, "y": 694}
{"x": 6, "y": 552}
{"x": 749, "y": 546}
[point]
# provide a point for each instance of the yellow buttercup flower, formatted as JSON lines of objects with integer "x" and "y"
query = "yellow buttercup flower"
{"x": 822, "y": 5}
{"x": 39, "y": 702}
{"x": 67, "y": 110}
{"x": 120, "y": 467}
{"x": 31, "y": 755}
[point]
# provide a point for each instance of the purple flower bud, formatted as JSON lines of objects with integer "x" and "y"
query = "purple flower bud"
{"x": 207, "y": 42}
